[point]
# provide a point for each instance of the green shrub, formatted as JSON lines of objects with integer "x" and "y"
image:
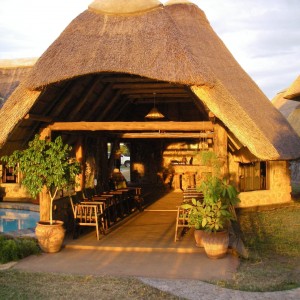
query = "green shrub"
{"x": 15, "y": 249}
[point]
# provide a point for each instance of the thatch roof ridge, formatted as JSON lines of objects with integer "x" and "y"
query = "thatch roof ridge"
{"x": 172, "y": 2}
{"x": 123, "y": 7}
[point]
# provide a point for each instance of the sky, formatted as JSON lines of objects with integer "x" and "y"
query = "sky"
{"x": 262, "y": 35}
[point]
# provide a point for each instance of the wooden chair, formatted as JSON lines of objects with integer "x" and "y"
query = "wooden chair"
{"x": 191, "y": 193}
{"x": 181, "y": 222}
{"x": 88, "y": 214}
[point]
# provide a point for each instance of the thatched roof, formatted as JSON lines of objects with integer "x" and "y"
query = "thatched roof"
{"x": 167, "y": 45}
{"x": 293, "y": 92}
{"x": 294, "y": 119}
{"x": 290, "y": 108}
{"x": 12, "y": 72}
{"x": 285, "y": 106}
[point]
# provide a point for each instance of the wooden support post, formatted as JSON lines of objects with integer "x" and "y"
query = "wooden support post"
{"x": 79, "y": 157}
{"x": 220, "y": 147}
{"x": 45, "y": 133}
{"x": 44, "y": 197}
{"x": 102, "y": 171}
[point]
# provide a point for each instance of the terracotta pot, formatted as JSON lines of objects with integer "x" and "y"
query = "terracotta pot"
{"x": 216, "y": 244}
{"x": 198, "y": 234}
{"x": 50, "y": 237}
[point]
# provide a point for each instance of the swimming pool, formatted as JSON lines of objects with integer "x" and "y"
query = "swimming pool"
{"x": 12, "y": 220}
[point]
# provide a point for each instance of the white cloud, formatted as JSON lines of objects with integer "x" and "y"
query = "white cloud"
{"x": 263, "y": 36}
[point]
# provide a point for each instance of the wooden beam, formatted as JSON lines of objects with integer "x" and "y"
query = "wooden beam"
{"x": 119, "y": 79}
{"x": 165, "y": 135}
{"x": 143, "y": 85}
{"x": 158, "y": 96}
{"x": 39, "y": 118}
{"x": 151, "y": 91}
{"x": 165, "y": 101}
{"x": 132, "y": 126}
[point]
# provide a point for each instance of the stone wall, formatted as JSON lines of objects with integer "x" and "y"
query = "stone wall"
{"x": 15, "y": 192}
{"x": 279, "y": 187}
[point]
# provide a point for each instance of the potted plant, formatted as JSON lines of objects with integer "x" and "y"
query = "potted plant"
{"x": 217, "y": 210}
{"x": 214, "y": 213}
{"x": 195, "y": 219}
{"x": 46, "y": 167}
{"x": 211, "y": 216}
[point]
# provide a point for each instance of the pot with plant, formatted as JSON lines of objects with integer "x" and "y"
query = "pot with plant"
{"x": 217, "y": 210}
{"x": 214, "y": 213}
{"x": 195, "y": 219}
{"x": 46, "y": 168}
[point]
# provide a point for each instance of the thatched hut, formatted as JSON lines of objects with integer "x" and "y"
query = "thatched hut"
{"x": 12, "y": 71}
{"x": 115, "y": 61}
{"x": 287, "y": 102}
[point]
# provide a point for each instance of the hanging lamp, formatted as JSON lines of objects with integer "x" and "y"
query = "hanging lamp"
{"x": 154, "y": 113}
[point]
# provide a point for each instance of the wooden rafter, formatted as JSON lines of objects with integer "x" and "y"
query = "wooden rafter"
{"x": 151, "y": 91}
{"x": 89, "y": 90}
{"x": 158, "y": 96}
{"x": 39, "y": 118}
{"x": 142, "y": 85}
{"x": 98, "y": 105}
{"x": 132, "y": 126}
{"x": 109, "y": 106}
{"x": 165, "y": 135}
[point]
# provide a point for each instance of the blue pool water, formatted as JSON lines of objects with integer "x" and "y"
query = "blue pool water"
{"x": 16, "y": 219}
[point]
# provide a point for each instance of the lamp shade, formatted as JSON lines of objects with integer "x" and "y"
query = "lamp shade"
{"x": 154, "y": 113}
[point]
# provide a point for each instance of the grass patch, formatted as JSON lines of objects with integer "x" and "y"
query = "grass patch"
{"x": 13, "y": 249}
{"x": 23, "y": 285}
{"x": 273, "y": 239}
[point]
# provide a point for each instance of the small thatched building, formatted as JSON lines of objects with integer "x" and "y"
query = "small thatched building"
{"x": 12, "y": 71}
{"x": 96, "y": 83}
{"x": 287, "y": 102}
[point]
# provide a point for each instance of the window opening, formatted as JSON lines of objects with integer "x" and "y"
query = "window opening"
{"x": 253, "y": 176}
{"x": 8, "y": 175}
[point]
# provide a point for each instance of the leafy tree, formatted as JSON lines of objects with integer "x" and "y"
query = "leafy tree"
{"x": 45, "y": 164}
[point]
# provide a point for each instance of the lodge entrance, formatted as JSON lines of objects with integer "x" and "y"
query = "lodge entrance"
{"x": 93, "y": 110}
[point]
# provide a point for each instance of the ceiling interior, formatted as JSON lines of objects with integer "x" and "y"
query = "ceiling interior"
{"x": 110, "y": 97}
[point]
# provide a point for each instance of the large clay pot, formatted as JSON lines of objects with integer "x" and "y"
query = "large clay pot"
{"x": 198, "y": 234}
{"x": 50, "y": 236}
{"x": 216, "y": 244}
